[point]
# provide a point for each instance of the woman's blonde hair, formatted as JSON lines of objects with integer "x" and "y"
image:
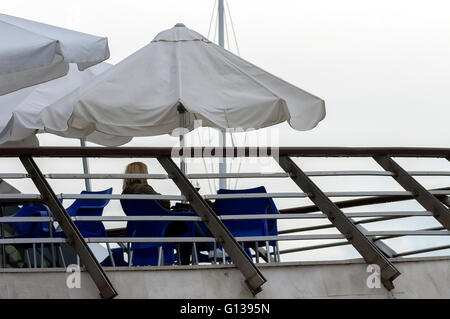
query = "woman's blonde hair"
{"x": 135, "y": 168}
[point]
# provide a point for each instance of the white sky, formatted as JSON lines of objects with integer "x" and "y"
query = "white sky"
{"x": 382, "y": 67}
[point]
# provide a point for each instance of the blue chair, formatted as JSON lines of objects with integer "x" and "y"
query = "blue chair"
{"x": 90, "y": 207}
{"x": 117, "y": 255}
{"x": 142, "y": 254}
{"x": 245, "y": 206}
{"x": 85, "y": 207}
{"x": 30, "y": 229}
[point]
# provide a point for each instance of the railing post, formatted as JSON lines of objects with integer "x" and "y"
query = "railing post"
{"x": 424, "y": 197}
{"x": 253, "y": 277}
{"x": 368, "y": 250}
{"x": 2, "y": 229}
{"x": 73, "y": 235}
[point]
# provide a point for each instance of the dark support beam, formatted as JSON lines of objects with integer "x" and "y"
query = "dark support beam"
{"x": 296, "y": 250}
{"x": 253, "y": 277}
{"x": 422, "y": 195}
{"x": 364, "y": 221}
{"x": 368, "y": 250}
{"x": 73, "y": 235}
{"x": 445, "y": 200}
{"x": 348, "y": 203}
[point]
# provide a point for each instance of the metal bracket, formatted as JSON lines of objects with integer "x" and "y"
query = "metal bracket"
{"x": 93, "y": 267}
{"x": 387, "y": 251}
{"x": 424, "y": 197}
{"x": 253, "y": 277}
{"x": 368, "y": 250}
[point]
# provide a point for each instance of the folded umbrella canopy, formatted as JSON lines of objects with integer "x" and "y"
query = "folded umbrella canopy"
{"x": 33, "y": 52}
{"x": 140, "y": 96}
{"x": 20, "y": 110}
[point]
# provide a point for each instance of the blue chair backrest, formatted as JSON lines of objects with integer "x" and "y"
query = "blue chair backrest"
{"x": 243, "y": 206}
{"x": 143, "y": 207}
{"x": 90, "y": 207}
{"x": 28, "y": 211}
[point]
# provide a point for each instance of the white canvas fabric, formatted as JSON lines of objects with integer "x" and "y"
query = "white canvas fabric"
{"x": 33, "y": 52}
{"x": 140, "y": 95}
{"x": 20, "y": 110}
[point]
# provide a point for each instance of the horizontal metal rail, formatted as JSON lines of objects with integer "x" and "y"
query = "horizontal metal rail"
{"x": 32, "y": 197}
{"x": 212, "y": 239}
{"x": 223, "y": 175}
{"x": 357, "y": 202}
{"x": 170, "y": 239}
{"x": 408, "y": 233}
{"x": 129, "y": 152}
{"x": 344, "y": 243}
{"x": 421, "y": 251}
{"x": 223, "y": 217}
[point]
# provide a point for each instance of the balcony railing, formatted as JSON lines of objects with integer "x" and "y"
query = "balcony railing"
{"x": 369, "y": 244}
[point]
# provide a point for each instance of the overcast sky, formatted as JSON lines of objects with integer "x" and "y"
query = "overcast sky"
{"x": 382, "y": 67}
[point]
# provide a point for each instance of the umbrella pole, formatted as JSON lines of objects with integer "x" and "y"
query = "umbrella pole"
{"x": 87, "y": 181}
{"x": 182, "y": 123}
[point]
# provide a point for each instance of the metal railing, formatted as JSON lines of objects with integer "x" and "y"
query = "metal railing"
{"x": 369, "y": 244}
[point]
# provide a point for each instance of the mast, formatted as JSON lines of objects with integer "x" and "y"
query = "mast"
{"x": 222, "y": 136}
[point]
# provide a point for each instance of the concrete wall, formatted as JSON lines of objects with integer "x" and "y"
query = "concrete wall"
{"x": 420, "y": 278}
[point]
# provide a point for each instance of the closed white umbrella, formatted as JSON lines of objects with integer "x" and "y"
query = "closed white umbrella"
{"x": 20, "y": 110}
{"x": 33, "y": 52}
{"x": 140, "y": 95}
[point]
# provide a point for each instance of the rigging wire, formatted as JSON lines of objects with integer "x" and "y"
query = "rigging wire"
{"x": 226, "y": 36}
{"x": 203, "y": 158}
{"x": 241, "y": 160}
{"x": 212, "y": 17}
{"x": 232, "y": 28}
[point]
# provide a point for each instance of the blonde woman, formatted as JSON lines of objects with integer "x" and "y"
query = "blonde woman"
{"x": 140, "y": 185}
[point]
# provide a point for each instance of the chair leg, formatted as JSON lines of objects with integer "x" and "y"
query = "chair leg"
{"x": 268, "y": 252}
{"x": 160, "y": 256}
{"x": 52, "y": 252}
{"x": 257, "y": 252}
{"x": 194, "y": 254}
{"x": 130, "y": 258}
{"x": 110, "y": 255}
{"x": 215, "y": 253}
{"x": 27, "y": 255}
{"x": 223, "y": 256}
{"x": 179, "y": 253}
{"x": 129, "y": 254}
{"x": 42, "y": 255}
{"x": 277, "y": 248}
{"x": 34, "y": 256}
{"x": 62, "y": 256}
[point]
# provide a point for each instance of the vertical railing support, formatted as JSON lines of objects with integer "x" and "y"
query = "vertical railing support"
{"x": 73, "y": 235}
{"x": 421, "y": 195}
{"x": 253, "y": 277}
{"x": 368, "y": 250}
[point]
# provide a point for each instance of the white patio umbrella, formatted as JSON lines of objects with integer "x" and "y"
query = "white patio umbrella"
{"x": 33, "y": 52}
{"x": 20, "y": 110}
{"x": 141, "y": 95}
